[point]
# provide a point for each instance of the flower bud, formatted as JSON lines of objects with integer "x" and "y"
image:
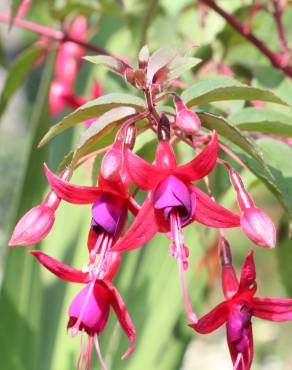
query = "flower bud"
{"x": 186, "y": 119}
{"x": 34, "y": 226}
{"x": 57, "y": 102}
{"x": 258, "y": 227}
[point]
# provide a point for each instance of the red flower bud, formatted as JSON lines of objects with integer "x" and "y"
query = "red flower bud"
{"x": 258, "y": 227}
{"x": 34, "y": 226}
{"x": 186, "y": 119}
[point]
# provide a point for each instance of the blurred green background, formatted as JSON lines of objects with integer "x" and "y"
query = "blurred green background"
{"x": 33, "y": 306}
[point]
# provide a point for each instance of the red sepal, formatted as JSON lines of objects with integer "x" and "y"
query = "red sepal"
{"x": 71, "y": 193}
{"x": 122, "y": 315}
{"x": 91, "y": 239}
{"x": 273, "y": 309}
{"x": 248, "y": 275}
{"x": 211, "y": 214}
{"x": 200, "y": 166}
{"x": 61, "y": 270}
{"x": 145, "y": 175}
{"x": 145, "y": 226}
{"x": 213, "y": 320}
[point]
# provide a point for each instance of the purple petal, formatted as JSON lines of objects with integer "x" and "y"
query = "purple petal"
{"x": 238, "y": 325}
{"x": 173, "y": 193}
{"x": 109, "y": 212}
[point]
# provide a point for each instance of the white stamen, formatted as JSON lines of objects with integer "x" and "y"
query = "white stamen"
{"x": 96, "y": 342}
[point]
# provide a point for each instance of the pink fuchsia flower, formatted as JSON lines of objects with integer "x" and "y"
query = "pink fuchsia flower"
{"x": 238, "y": 309}
{"x": 36, "y": 224}
{"x": 186, "y": 119}
{"x": 89, "y": 310}
{"x": 111, "y": 200}
{"x": 254, "y": 222}
{"x": 173, "y": 201}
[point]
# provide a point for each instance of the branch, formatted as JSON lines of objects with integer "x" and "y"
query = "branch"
{"x": 53, "y": 34}
{"x": 277, "y": 14}
{"x": 277, "y": 60}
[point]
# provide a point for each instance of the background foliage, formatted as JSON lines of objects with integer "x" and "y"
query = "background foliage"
{"x": 33, "y": 304}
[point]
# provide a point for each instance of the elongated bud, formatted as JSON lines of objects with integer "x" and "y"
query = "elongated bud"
{"x": 258, "y": 227}
{"x": 33, "y": 227}
{"x": 229, "y": 279}
{"x": 254, "y": 222}
{"x": 163, "y": 130}
{"x": 186, "y": 119}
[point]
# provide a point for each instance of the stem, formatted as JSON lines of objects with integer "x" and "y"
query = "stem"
{"x": 153, "y": 112}
{"x": 53, "y": 34}
{"x": 147, "y": 20}
{"x": 277, "y": 60}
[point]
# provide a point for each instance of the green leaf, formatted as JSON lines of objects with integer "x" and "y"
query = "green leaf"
{"x": 231, "y": 133}
{"x": 93, "y": 109}
{"x": 179, "y": 65}
{"x": 263, "y": 120}
{"x": 213, "y": 89}
{"x": 112, "y": 63}
{"x": 101, "y": 128}
{"x": 17, "y": 74}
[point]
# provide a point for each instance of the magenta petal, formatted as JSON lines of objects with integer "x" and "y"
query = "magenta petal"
{"x": 58, "y": 268}
{"x": 70, "y": 192}
{"x": 238, "y": 324}
{"x": 211, "y": 214}
{"x": 123, "y": 317}
{"x": 110, "y": 213}
{"x": 247, "y": 354}
{"x": 96, "y": 311}
{"x": 201, "y": 165}
{"x": 173, "y": 193}
{"x": 213, "y": 320}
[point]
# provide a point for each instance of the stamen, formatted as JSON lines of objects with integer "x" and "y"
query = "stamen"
{"x": 80, "y": 361}
{"x": 238, "y": 361}
{"x": 94, "y": 274}
{"x": 96, "y": 342}
{"x": 181, "y": 255}
{"x": 89, "y": 352}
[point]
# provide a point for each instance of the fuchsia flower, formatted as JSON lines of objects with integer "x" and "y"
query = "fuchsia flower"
{"x": 254, "y": 222}
{"x": 111, "y": 200}
{"x": 36, "y": 224}
{"x": 89, "y": 310}
{"x": 237, "y": 311}
{"x": 172, "y": 201}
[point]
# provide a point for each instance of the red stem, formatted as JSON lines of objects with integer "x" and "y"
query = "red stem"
{"x": 277, "y": 60}
{"x": 277, "y": 14}
{"x": 52, "y": 34}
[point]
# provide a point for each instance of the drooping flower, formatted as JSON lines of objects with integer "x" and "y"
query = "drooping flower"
{"x": 36, "y": 224}
{"x": 89, "y": 310}
{"x": 110, "y": 200}
{"x": 256, "y": 224}
{"x": 172, "y": 201}
{"x": 238, "y": 309}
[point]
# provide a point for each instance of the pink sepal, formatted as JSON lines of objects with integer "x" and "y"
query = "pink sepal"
{"x": 201, "y": 165}
{"x": 61, "y": 270}
{"x": 211, "y": 214}
{"x": 248, "y": 275}
{"x": 122, "y": 315}
{"x": 273, "y": 309}
{"x": 212, "y": 320}
{"x": 258, "y": 227}
{"x": 71, "y": 193}
{"x": 33, "y": 227}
